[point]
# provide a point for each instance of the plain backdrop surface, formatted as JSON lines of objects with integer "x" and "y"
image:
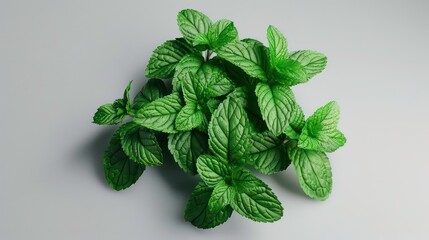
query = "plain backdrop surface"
{"x": 60, "y": 60}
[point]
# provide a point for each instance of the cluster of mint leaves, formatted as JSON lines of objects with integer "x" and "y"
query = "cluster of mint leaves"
{"x": 230, "y": 109}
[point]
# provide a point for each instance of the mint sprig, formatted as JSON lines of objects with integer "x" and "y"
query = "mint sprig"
{"x": 228, "y": 109}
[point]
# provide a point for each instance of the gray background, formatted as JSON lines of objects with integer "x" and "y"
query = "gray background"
{"x": 60, "y": 60}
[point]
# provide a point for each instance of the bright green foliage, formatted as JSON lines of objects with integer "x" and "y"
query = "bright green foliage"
{"x": 320, "y": 131}
{"x": 277, "y": 104}
{"x": 186, "y": 147}
{"x": 165, "y": 58}
{"x": 160, "y": 114}
{"x": 140, "y": 144}
{"x": 313, "y": 170}
{"x": 228, "y": 107}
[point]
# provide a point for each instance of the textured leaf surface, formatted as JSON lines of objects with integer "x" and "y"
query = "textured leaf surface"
{"x": 189, "y": 117}
{"x": 160, "y": 114}
{"x": 197, "y": 211}
{"x": 213, "y": 81}
{"x": 222, "y": 195}
{"x": 313, "y": 170}
{"x": 189, "y": 64}
{"x": 228, "y": 131}
{"x": 320, "y": 131}
{"x": 109, "y": 114}
{"x": 192, "y": 23}
{"x": 120, "y": 171}
{"x": 276, "y": 103}
{"x": 152, "y": 90}
{"x": 268, "y": 153}
{"x": 277, "y": 44}
{"x": 221, "y": 33}
{"x": 165, "y": 58}
{"x": 313, "y": 62}
{"x": 212, "y": 169}
{"x": 193, "y": 88}
{"x": 290, "y": 72}
{"x": 258, "y": 202}
{"x": 293, "y": 130}
{"x": 247, "y": 57}
{"x": 140, "y": 145}
{"x": 186, "y": 147}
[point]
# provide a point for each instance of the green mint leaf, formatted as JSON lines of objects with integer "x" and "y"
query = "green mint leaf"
{"x": 154, "y": 89}
{"x": 140, "y": 145}
{"x": 313, "y": 62}
{"x": 255, "y": 200}
{"x": 268, "y": 153}
{"x": 192, "y": 23}
{"x": 276, "y": 103}
{"x": 193, "y": 88}
{"x": 160, "y": 114}
{"x": 221, "y": 33}
{"x": 289, "y": 72}
{"x": 212, "y": 169}
{"x": 243, "y": 179}
{"x": 247, "y": 57}
{"x": 320, "y": 131}
{"x": 213, "y": 82}
{"x": 313, "y": 170}
{"x": 197, "y": 211}
{"x": 293, "y": 130}
{"x": 253, "y": 42}
{"x": 165, "y": 58}
{"x": 189, "y": 117}
{"x": 248, "y": 100}
{"x": 127, "y": 99}
{"x": 186, "y": 147}
{"x": 201, "y": 40}
{"x": 228, "y": 131}
{"x": 212, "y": 104}
{"x": 120, "y": 171}
{"x": 222, "y": 196}
{"x": 109, "y": 114}
{"x": 277, "y": 45}
{"x": 191, "y": 63}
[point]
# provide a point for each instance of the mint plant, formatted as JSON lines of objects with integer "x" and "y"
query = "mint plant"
{"x": 229, "y": 112}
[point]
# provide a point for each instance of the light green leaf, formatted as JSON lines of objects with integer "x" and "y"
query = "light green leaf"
{"x": 160, "y": 114}
{"x": 213, "y": 81}
{"x": 313, "y": 170}
{"x": 197, "y": 211}
{"x": 140, "y": 145}
{"x": 221, "y": 33}
{"x": 222, "y": 196}
{"x": 193, "y": 88}
{"x": 289, "y": 72}
{"x": 247, "y": 57}
{"x": 189, "y": 64}
{"x": 212, "y": 169}
{"x": 186, "y": 147}
{"x": 189, "y": 117}
{"x": 109, "y": 114}
{"x": 152, "y": 90}
{"x": 277, "y": 45}
{"x": 320, "y": 131}
{"x": 228, "y": 131}
{"x": 201, "y": 40}
{"x": 276, "y": 103}
{"x": 120, "y": 171}
{"x": 165, "y": 58}
{"x": 293, "y": 130}
{"x": 257, "y": 202}
{"x": 243, "y": 179}
{"x": 313, "y": 62}
{"x": 192, "y": 23}
{"x": 268, "y": 153}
